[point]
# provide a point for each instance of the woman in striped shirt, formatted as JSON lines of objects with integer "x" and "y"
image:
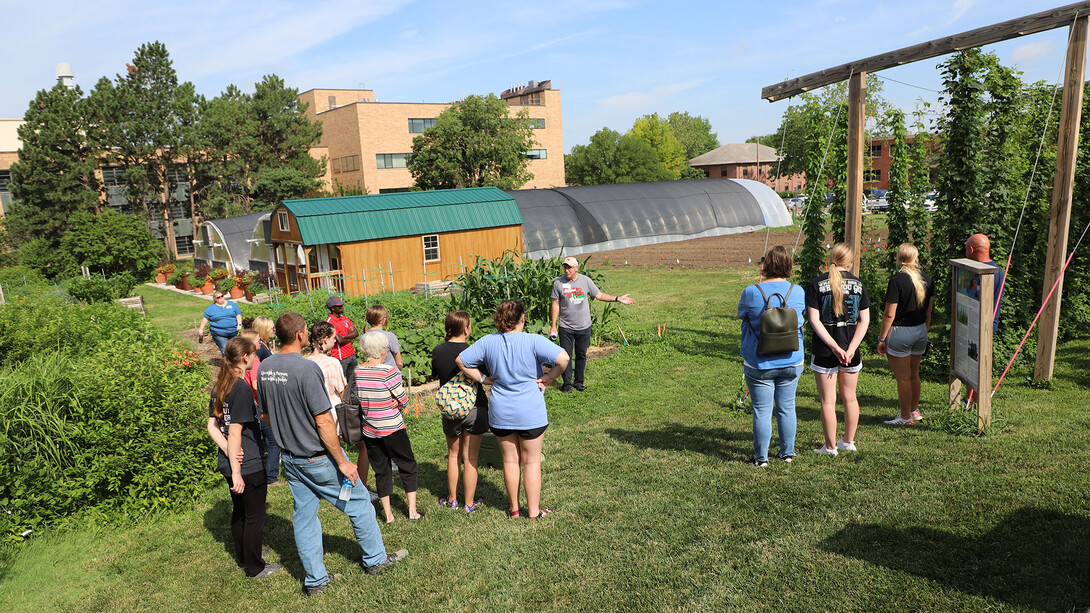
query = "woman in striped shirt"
{"x": 382, "y": 397}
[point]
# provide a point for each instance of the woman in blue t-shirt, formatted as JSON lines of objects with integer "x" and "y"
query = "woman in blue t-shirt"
{"x": 516, "y": 407}
{"x": 225, "y": 318}
{"x": 771, "y": 379}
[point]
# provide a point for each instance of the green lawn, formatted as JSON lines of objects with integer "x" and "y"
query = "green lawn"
{"x": 170, "y": 310}
{"x": 654, "y": 508}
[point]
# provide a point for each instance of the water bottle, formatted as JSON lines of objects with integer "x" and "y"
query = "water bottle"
{"x": 346, "y": 490}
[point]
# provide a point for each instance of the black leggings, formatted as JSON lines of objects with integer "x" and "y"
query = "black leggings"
{"x": 248, "y": 522}
{"x": 391, "y": 447}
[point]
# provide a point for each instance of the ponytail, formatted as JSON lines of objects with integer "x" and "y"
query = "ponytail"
{"x": 908, "y": 257}
{"x": 234, "y": 358}
{"x": 840, "y": 256}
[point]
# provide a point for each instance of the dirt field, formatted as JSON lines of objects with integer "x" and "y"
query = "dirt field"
{"x": 732, "y": 251}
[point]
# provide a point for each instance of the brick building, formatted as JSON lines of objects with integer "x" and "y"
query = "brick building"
{"x": 747, "y": 161}
{"x": 368, "y": 142}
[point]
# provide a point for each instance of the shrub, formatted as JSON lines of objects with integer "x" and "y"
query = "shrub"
{"x": 97, "y": 289}
{"x": 86, "y": 427}
{"x": 112, "y": 242}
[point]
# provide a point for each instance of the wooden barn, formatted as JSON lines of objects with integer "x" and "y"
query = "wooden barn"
{"x": 361, "y": 245}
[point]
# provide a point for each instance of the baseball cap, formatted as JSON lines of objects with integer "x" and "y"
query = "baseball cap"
{"x": 333, "y": 301}
{"x": 571, "y": 262}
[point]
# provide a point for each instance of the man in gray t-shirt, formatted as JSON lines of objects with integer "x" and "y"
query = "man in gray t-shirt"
{"x": 570, "y": 316}
{"x": 292, "y": 391}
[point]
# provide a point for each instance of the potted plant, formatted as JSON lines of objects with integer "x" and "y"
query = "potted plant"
{"x": 163, "y": 272}
{"x": 243, "y": 278}
{"x": 174, "y": 278}
{"x": 227, "y": 286}
{"x": 183, "y": 282}
{"x": 255, "y": 288}
{"x": 202, "y": 280}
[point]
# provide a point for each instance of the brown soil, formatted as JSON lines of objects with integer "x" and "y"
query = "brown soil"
{"x": 731, "y": 251}
{"x": 210, "y": 353}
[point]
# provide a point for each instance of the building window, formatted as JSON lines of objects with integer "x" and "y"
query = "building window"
{"x": 872, "y": 175}
{"x": 350, "y": 163}
{"x": 537, "y": 123}
{"x": 722, "y": 172}
{"x": 533, "y": 99}
{"x": 393, "y": 190}
{"x": 431, "y": 248}
{"x": 113, "y": 176}
{"x": 416, "y": 126}
{"x": 392, "y": 160}
{"x": 332, "y": 102}
{"x": 282, "y": 218}
{"x": 336, "y": 165}
{"x": 536, "y": 154}
{"x": 876, "y": 150}
{"x": 5, "y": 192}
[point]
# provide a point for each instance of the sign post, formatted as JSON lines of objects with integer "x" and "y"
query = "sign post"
{"x": 972, "y": 307}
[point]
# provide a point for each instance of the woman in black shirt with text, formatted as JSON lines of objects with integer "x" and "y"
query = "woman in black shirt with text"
{"x": 903, "y": 338}
{"x": 838, "y": 308}
{"x": 232, "y": 424}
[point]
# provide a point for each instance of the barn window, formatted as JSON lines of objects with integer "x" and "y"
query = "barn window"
{"x": 282, "y": 217}
{"x": 431, "y": 248}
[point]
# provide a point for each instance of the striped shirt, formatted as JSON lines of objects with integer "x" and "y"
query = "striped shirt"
{"x": 382, "y": 397}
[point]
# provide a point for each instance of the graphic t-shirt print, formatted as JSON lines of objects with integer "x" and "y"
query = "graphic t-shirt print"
{"x": 575, "y": 295}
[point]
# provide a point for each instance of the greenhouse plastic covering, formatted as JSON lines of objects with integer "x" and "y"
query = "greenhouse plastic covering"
{"x": 585, "y": 219}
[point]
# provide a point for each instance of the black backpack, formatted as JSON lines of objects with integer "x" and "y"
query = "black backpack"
{"x": 779, "y": 326}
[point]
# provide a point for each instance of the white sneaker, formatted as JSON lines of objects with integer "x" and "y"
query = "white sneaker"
{"x": 825, "y": 451}
{"x": 899, "y": 421}
{"x": 840, "y": 444}
{"x": 917, "y": 416}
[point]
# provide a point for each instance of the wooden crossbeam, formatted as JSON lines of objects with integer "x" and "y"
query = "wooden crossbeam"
{"x": 1022, "y": 26}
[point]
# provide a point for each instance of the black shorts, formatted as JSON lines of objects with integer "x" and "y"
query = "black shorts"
{"x": 526, "y": 434}
{"x": 475, "y": 423}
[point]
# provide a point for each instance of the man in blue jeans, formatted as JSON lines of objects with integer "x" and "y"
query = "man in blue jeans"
{"x": 291, "y": 390}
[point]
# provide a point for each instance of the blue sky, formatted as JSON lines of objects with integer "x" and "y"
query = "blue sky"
{"x": 612, "y": 60}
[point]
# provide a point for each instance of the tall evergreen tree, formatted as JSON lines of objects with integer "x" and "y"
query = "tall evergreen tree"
{"x": 150, "y": 104}
{"x": 55, "y": 175}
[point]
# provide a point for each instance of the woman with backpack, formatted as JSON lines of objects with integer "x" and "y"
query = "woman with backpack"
{"x": 903, "y": 337}
{"x": 838, "y": 308}
{"x": 771, "y": 314}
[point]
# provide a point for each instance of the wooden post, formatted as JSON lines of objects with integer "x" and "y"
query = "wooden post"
{"x": 1067, "y": 150}
{"x": 853, "y": 216}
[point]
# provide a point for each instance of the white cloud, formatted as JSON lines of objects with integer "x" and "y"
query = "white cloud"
{"x": 1031, "y": 51}
{"x": 960, "y": 8}
{"x": 636, "y": 101}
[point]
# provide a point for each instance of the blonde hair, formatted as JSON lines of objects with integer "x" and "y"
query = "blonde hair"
{"x": 840, "y": 255}
{"x": 250, "y": 335}
{"x": 908, "y": 258}
{"x": 264, "y": 327}
{"x": 377, "y": 315}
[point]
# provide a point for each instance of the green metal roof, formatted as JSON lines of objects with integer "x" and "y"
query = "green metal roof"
{"x": 348, "y": 219}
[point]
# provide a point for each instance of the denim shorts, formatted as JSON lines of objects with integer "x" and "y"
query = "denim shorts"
{"x": 904, "y": 341}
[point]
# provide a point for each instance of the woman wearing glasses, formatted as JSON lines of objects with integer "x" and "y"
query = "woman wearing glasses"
{"x": 225, "y": 319}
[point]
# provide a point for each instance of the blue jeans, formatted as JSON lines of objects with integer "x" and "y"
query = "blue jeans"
{"x": 776, "y": 387}
{"x": 272, "y": 459}
{"x": 221, "y": 342}
{"x": 311, "y": 480}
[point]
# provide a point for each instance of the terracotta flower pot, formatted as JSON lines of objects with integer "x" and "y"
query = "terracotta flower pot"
{"x": 160, "y": 278}
{"x": 183, "y": 284}
{"x": 207, "y": 288}
{"x": 237, "y": 292}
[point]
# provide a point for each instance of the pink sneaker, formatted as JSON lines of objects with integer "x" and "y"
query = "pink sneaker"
{"x": 917, "y": 416}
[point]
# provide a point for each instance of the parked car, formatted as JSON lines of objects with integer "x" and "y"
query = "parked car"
{"x": 929, "y": 200}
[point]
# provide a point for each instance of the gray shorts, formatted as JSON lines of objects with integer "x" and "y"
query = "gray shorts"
{"x": 904, "y": 341}
{"x": 474, "y": 423}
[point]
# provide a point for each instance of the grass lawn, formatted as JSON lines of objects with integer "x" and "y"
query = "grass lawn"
{"x": 654, "y": 508}
{"x": 170, "y": 310}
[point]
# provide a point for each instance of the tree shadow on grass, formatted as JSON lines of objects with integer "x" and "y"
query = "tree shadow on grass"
{"x": 1078, "y": 365}
{"x": 279, "y": 537}
{"x": 1035, "y": 558}
{"x": 718, "y": 443}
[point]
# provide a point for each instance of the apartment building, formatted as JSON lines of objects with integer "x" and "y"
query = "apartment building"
{"x": 9, "y": 152}
{"x": 368, "y": 142}
{"x": 747, "y": 161}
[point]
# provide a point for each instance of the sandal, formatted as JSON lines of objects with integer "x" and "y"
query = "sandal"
{"x": 419, "y": 516}
{"x": 513, "y": 514}
{"x": 542, "y": 513}
{"x": 452, "y": 503}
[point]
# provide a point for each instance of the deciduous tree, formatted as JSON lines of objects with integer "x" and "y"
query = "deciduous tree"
{"x": 656, "y": 131}
{"x": 613, "y": 158}
{"x": 474, "y": 143}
